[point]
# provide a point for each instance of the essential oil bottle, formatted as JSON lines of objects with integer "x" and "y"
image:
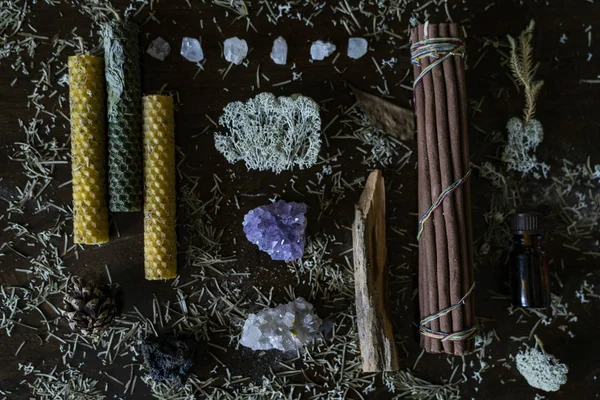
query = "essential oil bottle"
{"x": 530, "y": 281}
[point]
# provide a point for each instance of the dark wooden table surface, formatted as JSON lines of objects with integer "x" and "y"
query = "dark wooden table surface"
{"x": 567, "y": 108}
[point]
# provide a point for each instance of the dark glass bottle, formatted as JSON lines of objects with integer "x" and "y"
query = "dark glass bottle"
{"x": 530, "y": 281}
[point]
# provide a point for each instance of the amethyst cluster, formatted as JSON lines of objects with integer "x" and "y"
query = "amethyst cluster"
{"x": 278, "y": 229}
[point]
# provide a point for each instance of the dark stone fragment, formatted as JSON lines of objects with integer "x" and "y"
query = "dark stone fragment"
{"x": 168, "y": 359}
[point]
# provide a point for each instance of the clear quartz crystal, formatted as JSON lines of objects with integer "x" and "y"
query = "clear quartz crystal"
{"x": 235, "y": 50}
{"x": 279, "y": 52}
{"x": 159, "y": 48}
{"x": 286, "y": 327}
{"x": 191, "y": 49}
{"x": 357, "y": 47}
{"x": 320, "y": 50}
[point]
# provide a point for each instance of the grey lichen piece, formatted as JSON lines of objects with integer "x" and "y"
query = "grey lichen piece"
{"x": 523, "y": 140}
{"x": 271, "y": 133}
{"x": 541, "y": 370}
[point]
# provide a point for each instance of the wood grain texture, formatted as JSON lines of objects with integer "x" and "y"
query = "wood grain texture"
{"x": 375, "y": 332}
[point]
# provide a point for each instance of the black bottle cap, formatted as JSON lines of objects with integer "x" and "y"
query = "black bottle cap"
{"x": 526, "y": 223}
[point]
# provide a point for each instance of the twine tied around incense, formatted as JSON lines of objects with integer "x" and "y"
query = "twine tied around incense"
{"x": 439, "y": 201}
{"x": 444, "y": 336}
{"x": 424, "y": 330}
{"x": 441, "y": 49}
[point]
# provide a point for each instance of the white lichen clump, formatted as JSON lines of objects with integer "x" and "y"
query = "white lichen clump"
{"x": 286, "y": 327}
{"x": 271, "y": 133}
{"x": 523, "y": 140}
{"x": 542, "y": 370}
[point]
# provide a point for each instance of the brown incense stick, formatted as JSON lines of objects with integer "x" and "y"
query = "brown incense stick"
{"x": 427, "y": 251}
{"x": 445, "y": 245}
{"x": 439, "y": 271}
{"x": 459, "y": 315}
{"x": 453, "y": 273}
{"x": 468, "y": 273}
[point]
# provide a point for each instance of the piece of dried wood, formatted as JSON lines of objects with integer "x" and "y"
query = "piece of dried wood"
{"x": 386, "y": 116}
{"x": 377, "y": 345}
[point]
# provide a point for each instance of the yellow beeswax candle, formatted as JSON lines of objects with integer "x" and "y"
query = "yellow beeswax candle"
{"x": 88, "y": 149}
{"x": 160, "y": 241}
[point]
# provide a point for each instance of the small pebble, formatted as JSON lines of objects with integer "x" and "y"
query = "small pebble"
{"x": 159, "y": 48}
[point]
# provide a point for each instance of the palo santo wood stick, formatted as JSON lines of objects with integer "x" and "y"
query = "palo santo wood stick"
{"x": 375, "y": 332}
{"x": 88, "y": 154}
{"x": 160, "y": 240}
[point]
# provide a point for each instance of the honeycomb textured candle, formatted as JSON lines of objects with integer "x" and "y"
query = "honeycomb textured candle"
{"x": 160, "y": 241}
{"x": 88, "y": 154}
{"x": 123, "y": 86}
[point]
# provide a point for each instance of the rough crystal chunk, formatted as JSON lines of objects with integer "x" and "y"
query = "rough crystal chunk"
{"x": 286, "y": 327}
{"x": 235, "y": 50}
{"x": 159, "y": 48}
{"x": 191, "y": 49}
{"x": 279, "y": 52}
{"x": 357, "y": 47}
{"x": 320, "y": 50}
{"x": 278, "y": 229}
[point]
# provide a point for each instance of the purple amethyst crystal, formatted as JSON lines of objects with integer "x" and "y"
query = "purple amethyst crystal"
{"x": 278, "y": 229}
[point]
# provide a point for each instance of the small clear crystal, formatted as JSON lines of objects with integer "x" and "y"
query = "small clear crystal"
{"x": 320, "y": 50}
{"x": 279, "y": 52}
{"x": 235, "y": 50}
{"x": 357, "y": 47}
{"x": 159, "y": 48}
{"x": 286, "y": 327}
{"x": 191, "y": 49}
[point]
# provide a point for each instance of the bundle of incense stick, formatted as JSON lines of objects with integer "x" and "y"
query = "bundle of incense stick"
{"x": 445, "y": 233}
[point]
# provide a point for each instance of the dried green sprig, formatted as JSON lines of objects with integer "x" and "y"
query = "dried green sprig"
{"x": 523, "y": 69}
{"x": 405, "y": 385}
{"x": 237, "y": 6}
{"x": 12, "y": 15}
{"x": 205, "y": 245}
{"x": 68, "y": 384}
